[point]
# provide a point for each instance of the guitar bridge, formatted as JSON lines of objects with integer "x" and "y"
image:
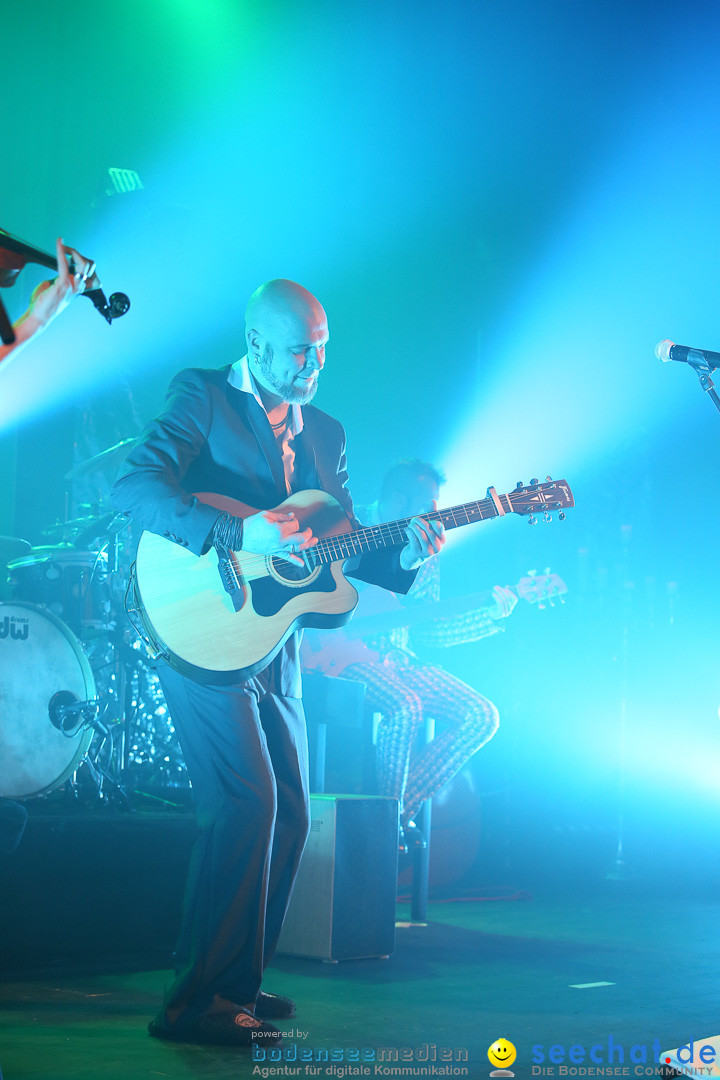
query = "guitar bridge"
{"x": 229, "y": 578}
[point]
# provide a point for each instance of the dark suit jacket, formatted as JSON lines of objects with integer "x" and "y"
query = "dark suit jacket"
{"x": 213, "y": 437}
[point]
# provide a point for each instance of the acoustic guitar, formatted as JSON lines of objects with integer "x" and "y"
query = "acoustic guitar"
{"x": 222, "y": 617}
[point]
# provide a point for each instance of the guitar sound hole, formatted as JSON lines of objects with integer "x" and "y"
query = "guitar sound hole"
{"x": 289, "y": 571}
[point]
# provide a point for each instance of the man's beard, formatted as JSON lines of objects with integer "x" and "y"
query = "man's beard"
{"x": 288, "y": 391}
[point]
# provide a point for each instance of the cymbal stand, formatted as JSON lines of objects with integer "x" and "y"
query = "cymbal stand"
{"x": 102, "y": 777}
{"x": 144, "y": 750}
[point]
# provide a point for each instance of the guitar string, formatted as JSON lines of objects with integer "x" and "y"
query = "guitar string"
{"x": 377, "y": 535}
{"x": 336, "y": 547}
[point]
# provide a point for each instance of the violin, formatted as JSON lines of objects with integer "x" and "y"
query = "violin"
{"x": 14, "y": 254}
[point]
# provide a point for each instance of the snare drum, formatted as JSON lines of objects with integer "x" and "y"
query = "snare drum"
{"x": 71, "y": 584}
{"x": 39, "y": 658}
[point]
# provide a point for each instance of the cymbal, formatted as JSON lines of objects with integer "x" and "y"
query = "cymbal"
{"x": 66, "y": 531}
{"x": 102, "y": 528}
{"x": 45, "y": 553}
{"x": 12, "y": 547}
{"x": 106, "y": 459}
{"x": 79, "y": 533}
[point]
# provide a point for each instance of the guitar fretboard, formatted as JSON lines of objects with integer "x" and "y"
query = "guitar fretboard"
{"x": 393, "y": 533}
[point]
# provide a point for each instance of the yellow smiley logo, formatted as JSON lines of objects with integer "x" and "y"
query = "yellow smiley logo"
{"x": 502, "y": 1053}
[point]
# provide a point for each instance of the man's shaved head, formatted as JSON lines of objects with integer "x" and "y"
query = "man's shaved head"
{"x": 278, "y": 304}
{"x": 286, "y": 332}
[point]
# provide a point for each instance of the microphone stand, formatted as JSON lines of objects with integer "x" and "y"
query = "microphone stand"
{"x": 701, "y": 365}
{"x": 703, "y": 374}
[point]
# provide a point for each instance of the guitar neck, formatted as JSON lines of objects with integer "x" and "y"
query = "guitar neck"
{"x": 409, "y": 616}
{"x": 394, "y": 533}
{"x": 541, "y": 590}
{"x": 536, "y": 498}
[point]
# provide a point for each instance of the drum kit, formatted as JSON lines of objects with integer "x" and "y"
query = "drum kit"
{"x": 81, "y": 707}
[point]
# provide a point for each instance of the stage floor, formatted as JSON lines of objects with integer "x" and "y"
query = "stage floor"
{"x": 517, "y": 969}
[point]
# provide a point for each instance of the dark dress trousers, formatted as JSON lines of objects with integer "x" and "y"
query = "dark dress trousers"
{"x": 245, "y": 745}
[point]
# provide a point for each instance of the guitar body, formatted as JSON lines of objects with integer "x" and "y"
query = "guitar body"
{"x": 222, "y": 618}
{"x": 216, "y": 635}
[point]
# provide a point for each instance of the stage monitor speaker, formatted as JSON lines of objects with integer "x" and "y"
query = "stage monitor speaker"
{"x": 343, "y": 903}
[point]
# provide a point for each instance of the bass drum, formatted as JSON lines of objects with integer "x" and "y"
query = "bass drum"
{"x": 73, "y": 585}
{"x": 39, "y": 658}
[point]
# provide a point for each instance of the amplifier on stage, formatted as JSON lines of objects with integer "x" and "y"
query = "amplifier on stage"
{"x": 343, "y": 903}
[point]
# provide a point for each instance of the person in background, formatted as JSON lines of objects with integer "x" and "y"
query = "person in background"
{"x": 50, "y": 298}
{"x": 400, "y": 686}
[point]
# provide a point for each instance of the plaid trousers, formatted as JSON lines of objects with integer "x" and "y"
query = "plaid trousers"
{"x": 405, "y": 691}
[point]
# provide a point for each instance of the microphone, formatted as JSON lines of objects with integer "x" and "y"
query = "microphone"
{"x": 700, "y": 359}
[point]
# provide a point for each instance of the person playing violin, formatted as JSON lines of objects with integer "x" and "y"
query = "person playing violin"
{"x": 76, "y": 274}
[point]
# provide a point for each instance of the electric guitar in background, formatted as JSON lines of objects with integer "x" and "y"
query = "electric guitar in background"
{"x": 329, "y": 652}
{"x": 223, "y": 617}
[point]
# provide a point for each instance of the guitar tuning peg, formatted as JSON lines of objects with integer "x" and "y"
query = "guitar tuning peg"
{"x": 519, "y": 486}
{"x": 532, "y": 520}
{"x": 547, "y": 517}
{"x": 561, "y": 515}
{"x": 534, "y": 482}
{"x": 549, "y": 478}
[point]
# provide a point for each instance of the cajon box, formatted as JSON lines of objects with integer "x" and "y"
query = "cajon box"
{"x": 343, "y": 903}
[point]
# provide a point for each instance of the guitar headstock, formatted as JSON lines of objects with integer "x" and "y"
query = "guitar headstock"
{"x": 536, "y": 498}
{"x": 542, "y": 589}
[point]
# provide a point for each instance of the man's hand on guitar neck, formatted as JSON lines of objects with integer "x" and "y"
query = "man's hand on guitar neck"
{"x": 425, "y": 538}
{"x": 504, "y": 602}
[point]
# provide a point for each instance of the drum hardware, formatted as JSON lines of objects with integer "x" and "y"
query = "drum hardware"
{"x": 108, "y": 525}
{"x": 117, "y": 724}
{"x": 73, "y": 580}
{"x": 110, "y": 458}
{"x": 106, "y": 778}
{"x": 68, "y": 714}
{"x": 12, "y": 547}
{"x": 39, "y": 657}
{"x": 147, "y": 754}
{"x": 67, "y": 530}
{"x": 74, "y": 585}
{"x": 152, "y": 755}
{"x": 79, "y": 532}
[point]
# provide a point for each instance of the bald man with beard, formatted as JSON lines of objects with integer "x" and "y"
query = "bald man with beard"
{"x": 247, "y": 431}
